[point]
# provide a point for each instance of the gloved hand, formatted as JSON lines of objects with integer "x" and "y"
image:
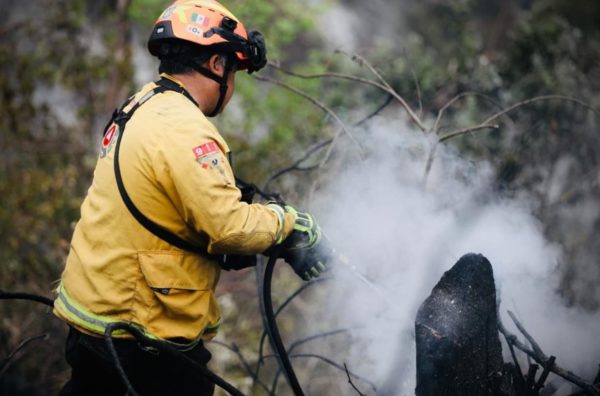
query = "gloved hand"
{"x": 305, "y": 250}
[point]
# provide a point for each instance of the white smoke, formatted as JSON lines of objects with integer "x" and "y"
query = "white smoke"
{"x": 403, "y": 236}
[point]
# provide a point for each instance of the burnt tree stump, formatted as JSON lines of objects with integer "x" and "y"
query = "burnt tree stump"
{"x": 458, "y": 345}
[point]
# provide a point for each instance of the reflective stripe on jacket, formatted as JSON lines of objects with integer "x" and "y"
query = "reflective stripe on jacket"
{"x": 174, "y": 167}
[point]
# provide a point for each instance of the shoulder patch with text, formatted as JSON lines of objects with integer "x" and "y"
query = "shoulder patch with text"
{"x": 207, "y": 155}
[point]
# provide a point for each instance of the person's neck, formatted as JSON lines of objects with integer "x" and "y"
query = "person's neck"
{"x": 200, "y": 87}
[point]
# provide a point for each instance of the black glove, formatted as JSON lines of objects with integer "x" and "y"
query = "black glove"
{"x": 258, "y": 51}
{"x": 305, "y": 250}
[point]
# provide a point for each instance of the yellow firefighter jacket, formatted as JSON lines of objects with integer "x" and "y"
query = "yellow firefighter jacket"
{"x": 174, "y": 167}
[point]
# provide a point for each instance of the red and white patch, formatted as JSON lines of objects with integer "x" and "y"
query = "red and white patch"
{"x": 109, "y": 137}
{"x": 205, "y": 149}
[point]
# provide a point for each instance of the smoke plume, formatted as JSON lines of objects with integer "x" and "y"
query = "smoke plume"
{"x": 402, "y": 235}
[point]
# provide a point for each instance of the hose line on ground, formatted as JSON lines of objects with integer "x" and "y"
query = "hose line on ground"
{"x": 272, "y": 329}
{"x": 164, "y": 347}
{"x": 140, "y": 337}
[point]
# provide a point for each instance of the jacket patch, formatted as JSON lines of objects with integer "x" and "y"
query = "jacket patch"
{"x": 111, "y": 135}
{"x": 205, "y": 149}
{"x": 207, "y": 155}
{"x": 209, "y": 161}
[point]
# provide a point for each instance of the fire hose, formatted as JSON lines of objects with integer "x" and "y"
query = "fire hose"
{"x": 138, "y": 334}
{"x": 270, "y": 325}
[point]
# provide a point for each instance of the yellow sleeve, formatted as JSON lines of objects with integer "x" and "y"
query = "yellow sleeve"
{"x": 194, "y": 171}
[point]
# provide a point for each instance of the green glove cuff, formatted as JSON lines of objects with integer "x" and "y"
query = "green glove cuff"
{"x": 280, "y": 212}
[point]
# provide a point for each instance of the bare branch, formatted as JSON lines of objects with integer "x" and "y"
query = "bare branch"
{"x": 288, "y": 300}
{"x": 534, "y": 344}
{"x": 341, "y": 76}
{"x": 462, "y": 95}
{"x": 417, "y": 85}
{"x": 514, "y": 357}
{"x": 486, "y": 124}
{"x": 331, "y": 363}
{"x": 544, "y": 376}
{"x": 350, "y": 381}
{"x": 362, "y": 61}
{"x": 418, "y": 88}
{"x": 22, "y": 345}
{"x": 383, "y": 86}
{"x": 463, "y": 131}
{"x": 533, "y": 368}
{"x": 296, "y": 164}
{"x": 538, "y": 99}
{"x": 236, "y": 350}
{"x": 317, "y": 103}
{"x": 434, "y": 143}
{"x": 315, "y": 337}
{"x": 542, "y": 359}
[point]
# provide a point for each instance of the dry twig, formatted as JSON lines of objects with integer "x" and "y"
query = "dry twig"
{"x": 388, "y": 88}
{"x": 537, "y": 355}
{"x": 22, "y": 345}
{"x": 319, "y": 104}
{"x": 236, "y": 350}
{"x": 350, "y": 381}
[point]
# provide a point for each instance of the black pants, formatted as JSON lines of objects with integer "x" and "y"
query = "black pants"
{"x": 150, "y": 373}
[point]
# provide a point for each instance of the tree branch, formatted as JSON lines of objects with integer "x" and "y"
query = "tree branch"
{"x": 22, "y": 345}
{"x": 236, "y": 350}
{"x": 288, "y": 300}
{"x": 542, "y": 359}
{"x": 382, "y": 86}
{"x": 463, "y": 131}
{"x": 538, "y": 99}
{"x": 329, "y": 362}
{"x": 441, "y": 112}
{"x": 296, "y": 164}
{"x": 350, "y": 381}
{"x": 334, "y": 364}
{"x": 319, "y": 104}
{"x": 388, "y": 88}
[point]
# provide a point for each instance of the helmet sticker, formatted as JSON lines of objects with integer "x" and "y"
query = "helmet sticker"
{"x": 168, "y": 12}
{"x": 180, "y": 12}
{"x": 200, "y": 19}
{"x": 109, "y": 137}
{"x": 194, "y": 30}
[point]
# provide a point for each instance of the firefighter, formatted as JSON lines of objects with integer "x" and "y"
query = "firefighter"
{"x": 164, "y": 215}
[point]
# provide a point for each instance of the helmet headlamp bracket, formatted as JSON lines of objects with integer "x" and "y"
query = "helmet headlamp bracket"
{"x": 228, "y": 24}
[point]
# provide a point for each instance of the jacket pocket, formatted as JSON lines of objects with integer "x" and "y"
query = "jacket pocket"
{"x": 180, "y": 300}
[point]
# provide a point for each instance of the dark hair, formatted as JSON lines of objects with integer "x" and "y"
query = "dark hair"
{"x": 175, "y": 56}
{"x": 172, "y": 66}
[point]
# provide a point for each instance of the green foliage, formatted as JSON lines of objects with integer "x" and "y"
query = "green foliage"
{"x": 268, "y": 117}
{"x": 145, "y": 12}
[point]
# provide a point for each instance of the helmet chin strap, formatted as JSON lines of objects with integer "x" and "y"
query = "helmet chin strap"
{"x": 221, "y": 80}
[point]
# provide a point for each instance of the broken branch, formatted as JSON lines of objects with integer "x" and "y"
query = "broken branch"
{"x": 320, "y": 105}
{"x": 21, "y": 346}
{"x": 350, "y": 381}
{"x": 542, "y": 359}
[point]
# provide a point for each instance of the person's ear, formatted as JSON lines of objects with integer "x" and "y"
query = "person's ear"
{"x": 216, "y": 64}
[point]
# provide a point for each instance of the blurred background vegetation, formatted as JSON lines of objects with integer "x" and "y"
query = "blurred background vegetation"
{"x": 64, "y": 65}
